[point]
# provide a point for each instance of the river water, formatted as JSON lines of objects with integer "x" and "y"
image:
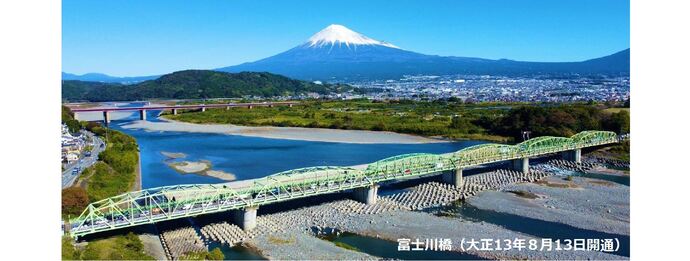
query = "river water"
{"x": 253, "y": 157}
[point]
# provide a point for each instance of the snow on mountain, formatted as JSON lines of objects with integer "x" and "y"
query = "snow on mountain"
{"x": 338, "y": 53}
{"x": 338, "y": 34}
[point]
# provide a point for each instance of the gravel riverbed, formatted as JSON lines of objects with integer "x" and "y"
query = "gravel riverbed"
{"x": 581, "y": 202}
{"x": 584, "y": 203}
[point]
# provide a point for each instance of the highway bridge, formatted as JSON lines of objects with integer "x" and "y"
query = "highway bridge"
{"x": 176, "y": 108}
{"x": 242, "y": 198}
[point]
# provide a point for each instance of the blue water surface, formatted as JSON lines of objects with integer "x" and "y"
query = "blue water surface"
{"x": 253, "y": 157}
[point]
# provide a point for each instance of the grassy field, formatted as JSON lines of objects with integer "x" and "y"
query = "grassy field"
{"x": 426, "y": 119}
{"x": 615, "y": 110}
{"x": 122, "y": 247}
{"x": 450, "y": 119}
{"x": 115, "y": 172}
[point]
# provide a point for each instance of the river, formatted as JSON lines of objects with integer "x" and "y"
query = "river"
{"x": 252, "y": 157}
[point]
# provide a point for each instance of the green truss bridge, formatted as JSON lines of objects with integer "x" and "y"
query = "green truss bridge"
{"x": 244, "y": 197}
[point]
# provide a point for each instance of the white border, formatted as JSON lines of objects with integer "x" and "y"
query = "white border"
{"x": 30, "y": 82}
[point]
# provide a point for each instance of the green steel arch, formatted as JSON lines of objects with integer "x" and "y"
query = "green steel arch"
{"x": 172, "y": 202}
{"x": 483, "y": 153}
{"x": 546, "y": 144}
{"x": 406, "y": 164}
{"x": 589, "y": 138}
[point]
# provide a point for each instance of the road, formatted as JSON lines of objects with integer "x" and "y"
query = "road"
{"x": 68, "y": 177}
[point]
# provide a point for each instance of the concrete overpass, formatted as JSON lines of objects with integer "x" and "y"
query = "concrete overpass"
{"x": 242, "y": 198}
{"x": 176, "y": 108}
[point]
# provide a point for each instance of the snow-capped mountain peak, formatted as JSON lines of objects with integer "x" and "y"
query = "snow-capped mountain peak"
{"x": 338, "y": 34}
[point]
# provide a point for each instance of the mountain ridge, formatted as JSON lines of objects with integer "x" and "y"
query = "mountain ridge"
{"x": 340, "y": 54}
{"x": 197, "y": 84}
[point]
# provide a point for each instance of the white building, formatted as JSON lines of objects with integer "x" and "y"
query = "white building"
{"x": 72, "y": 157}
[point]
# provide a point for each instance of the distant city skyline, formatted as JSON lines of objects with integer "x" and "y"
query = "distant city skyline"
{"x": 136, "y": 38}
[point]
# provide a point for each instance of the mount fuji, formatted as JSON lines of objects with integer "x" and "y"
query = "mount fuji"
{"x": 338, "y": 53}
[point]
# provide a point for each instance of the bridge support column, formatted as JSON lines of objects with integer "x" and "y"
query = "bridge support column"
{"x": 572, "y": 155}
{"x": 203, "y": 109}
{"x": 366, "y": 195}
{"x": 227, "y": 107}
{"x": 174, "y": 111}
{"x": 76, "y": 116}
{"x": 249, "y": 107}
{"x": 106, "y": 117}
{"x": 521, "y": 165}
{"x": 270, "y": 105}
{"x": 246, "y": 218}
{"x": 142, "y": 115}
{"x": 290, "y": 105}
{"x": 453, "y": 177}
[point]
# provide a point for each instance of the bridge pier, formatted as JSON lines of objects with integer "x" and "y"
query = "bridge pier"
{"x": 521, "y": 165}
{"x": 227, "y": 107}
{"x": 245, "y": 218}
{"x": 453, "y": 177}
{"x": 142, "y": 115}
{"x": 106, "y": 117}
{"x": 203, "y": 109}
{"x": 249, "y": 107}
{"x": 572, "y": 155}
{"x": 174, "y": 111}
{"x": 270, "y": 105}
{"x": 290, "y": 105}
{"x": 366, "y": 195}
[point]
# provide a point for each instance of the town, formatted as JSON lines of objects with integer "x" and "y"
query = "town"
{"x": 483, "y": 88}
{"x": 79, "y": 151}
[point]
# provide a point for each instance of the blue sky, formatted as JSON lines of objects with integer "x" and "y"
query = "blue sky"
{"x": 135, "y": 38}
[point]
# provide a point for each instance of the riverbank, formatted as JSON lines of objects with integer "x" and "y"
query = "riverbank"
{"x": 586, "y": 203}
{"x": 289, "y": 133}
{"x": 137, "y": 179}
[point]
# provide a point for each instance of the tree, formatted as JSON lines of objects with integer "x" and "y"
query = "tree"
{"x": 618, "y": 122}
{"x": 74, "y": 200}
{"x": 463, "y": 125}
{"x": 68, "y": 250}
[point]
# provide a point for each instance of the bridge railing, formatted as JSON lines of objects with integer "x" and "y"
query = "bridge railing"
{"x": 166, "y": 203}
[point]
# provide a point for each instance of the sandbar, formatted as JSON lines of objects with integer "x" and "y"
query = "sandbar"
{"x": 289, "y": 133}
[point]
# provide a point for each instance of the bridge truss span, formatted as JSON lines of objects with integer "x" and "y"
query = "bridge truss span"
{"x": 173, "y": 202}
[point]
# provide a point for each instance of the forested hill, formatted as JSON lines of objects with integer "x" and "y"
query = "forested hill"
{"x": 197, "y": 84}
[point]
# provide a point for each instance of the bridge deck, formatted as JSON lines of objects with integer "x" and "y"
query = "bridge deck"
{"x": 181, "y": 107}
{"x": 171, "y": 202}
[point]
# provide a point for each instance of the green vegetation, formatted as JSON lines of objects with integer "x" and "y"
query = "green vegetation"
{"x": 281, "y": 241}
{"x": 68, "y": 250}
{"x": 618, "y": 152}
{"x": 127, "y": 247}
{"x": 115, "y": 172}
{"x": 68, "y": 119}
{"x": 198, "y": 84}
{"x": 74, "y": 201}
{"x": 616, "y": 110}
{"x": 214, "y": 254}
{"x": 421, "y": 118}
{"x": 346, "y": 246}
{"x": 621, "y": 151}
{"x": 450, "y": 118}
{"x": 563, "y": 120}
